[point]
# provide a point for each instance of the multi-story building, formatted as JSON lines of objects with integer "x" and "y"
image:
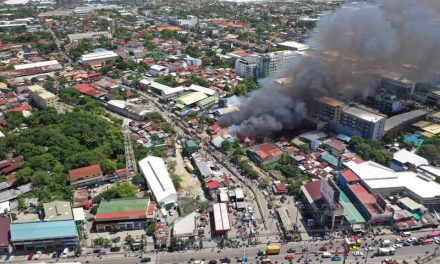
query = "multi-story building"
{"x": 275, "y": 64}
{"x": 43, "y": 98}
{"x": 330, "y": 109}
{"x": 124, "y": 214}
{"x": 357, "y": 121}
{"x": 387, "y": 103}
{"x": 246, "y": 67}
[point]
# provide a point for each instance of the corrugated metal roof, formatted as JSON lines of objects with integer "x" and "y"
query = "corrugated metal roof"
{"x": 158, "y": 179}
{"x": 43, "y": 230}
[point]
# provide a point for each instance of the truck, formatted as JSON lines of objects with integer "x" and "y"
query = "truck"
{"x": 273, "y": 249}
{"x": 384, "y": 251}
{"x": 385, "y": 243}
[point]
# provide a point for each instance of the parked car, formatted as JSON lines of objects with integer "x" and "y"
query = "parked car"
{"x": 30, "y": 255}
{"x": 291, "y": 250}
{"x": 38, "y": 255}
{"x": 411, "y": 239}
{"x": 397, "y": 245}
{"x": 55, "y": 254}
{"x": 406, "y": 244}
{"x": 146, "y": 259}
{"x": 358, "y": 254}
{"x": 289, "y": 256}
{"x": 322, "y": 249}
{"x": 416, "y": 243}
{"x": 370, "y": 248}
{"x": 336, "y": 258}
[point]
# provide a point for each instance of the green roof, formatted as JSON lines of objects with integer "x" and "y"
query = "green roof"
{"x": 298, "y": 142}
{"x": 416, "y": 216}
{"x": 207, "y": 101}
{"x": 350, "y": 212}
{"x": 191, "y": 144}
{"x": 123, "y": 205}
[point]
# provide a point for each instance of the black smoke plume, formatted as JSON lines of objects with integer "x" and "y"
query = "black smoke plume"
{"x": 350, "y": 50}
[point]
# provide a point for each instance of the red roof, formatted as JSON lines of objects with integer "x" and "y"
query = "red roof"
{"x": 281, "y": 187}
{"x": 3, "y": 101}
{"x": 84, "y": 171}
{"x": 213, "y": 185}
{"x": 314, "y": 190}
{"x": 151, "y": 209}
{"x": 266, "y": 150}
{"x": 5, "y": 224}
{"x": 9, "y": 169}
{"x": 23, "y": 107}
{"x": 362, "y": 194}
{"x": 83, "y": 88}
{"x": 350, "y": 176}
{"x": 120, "y": 215}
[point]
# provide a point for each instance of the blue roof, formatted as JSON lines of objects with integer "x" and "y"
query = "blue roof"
{"x": 329, "y": 158}
{"x": 43, "y": 230}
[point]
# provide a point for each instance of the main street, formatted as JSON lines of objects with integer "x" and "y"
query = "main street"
{"x": 408, "y": 253}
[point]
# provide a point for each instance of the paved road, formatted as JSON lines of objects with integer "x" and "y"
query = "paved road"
{"x": 185, "y": 257}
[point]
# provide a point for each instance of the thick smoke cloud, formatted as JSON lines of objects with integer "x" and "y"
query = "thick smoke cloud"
{"x": 351, "y": 49}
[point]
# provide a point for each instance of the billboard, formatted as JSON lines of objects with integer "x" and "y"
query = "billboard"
{"x": 327, "y": 191}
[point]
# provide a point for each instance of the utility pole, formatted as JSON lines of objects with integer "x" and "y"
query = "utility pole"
{"x": 307, "y": 253}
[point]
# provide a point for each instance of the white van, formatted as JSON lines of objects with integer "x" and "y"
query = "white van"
{"x": 385, "y": 243}
{"x": 405, "y": 234}
{"x": 326, "y": 255}
{"x": 65, "y": 252}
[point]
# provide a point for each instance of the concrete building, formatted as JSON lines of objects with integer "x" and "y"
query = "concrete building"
{"x": 190, "y": 21}
{"x": 207, "y": 102}
{"x": 44, "y": 235}
{"x": 158, "y": 70}
{"x": 275, "y": 64}
{"x": 158, "y": 180}
{"x": 357, "y": 121}
{"x": 293, "y": 45}
{"x": 186, "y": 227}
{"x": 57, "y": 211}
{"x": 387, "y": 103}
{"x": 386, "y": 182}
{"x": 124, "y": 214}
{"x": 246, "y": 67}
{"x": 327, "y": 212}
{"x": 330, "y": 109}
{"x": 85, "y": 176}
{"x": 42, "y": 66}
{"x": 43, "y": 98}
{"x": 127, "y": 109}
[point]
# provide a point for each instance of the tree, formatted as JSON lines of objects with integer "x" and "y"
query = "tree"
{"x": 370, "y": 150}
{"x": 122, "y": 190}
{"x": 176, "y": 180}
{"x": 203, "y": 205}
{"x": 151, "y": 228}
{"x": 138, "y": 180}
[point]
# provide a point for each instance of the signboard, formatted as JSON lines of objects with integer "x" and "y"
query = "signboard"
{"x": 327, "y": 191}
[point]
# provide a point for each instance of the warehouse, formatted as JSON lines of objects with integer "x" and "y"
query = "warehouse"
{"x": 126, "y": 214}
{"x": 222, "y": 224}
{"x": 158, "y": 180}
{"x": 98, "y": 58}
{"x": 191, "y": 99}
{"x": 186, "y": 227}
{"x": 386, "y": 182}
{"x": 128, "y": 109}
{"x": 38, "y": 235}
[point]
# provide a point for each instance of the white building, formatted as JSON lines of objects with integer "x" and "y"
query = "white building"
{"x": 98, "y": 58}
{"x": 246, "y": 66}
{"x": 387, "y": 182}
{"x": 158, "y": 179}
{"x": 275, "y": 64}
{"x": 404, "y": 159}
{"x": 186, "y": 227}
{"x": 158, "y": 70}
